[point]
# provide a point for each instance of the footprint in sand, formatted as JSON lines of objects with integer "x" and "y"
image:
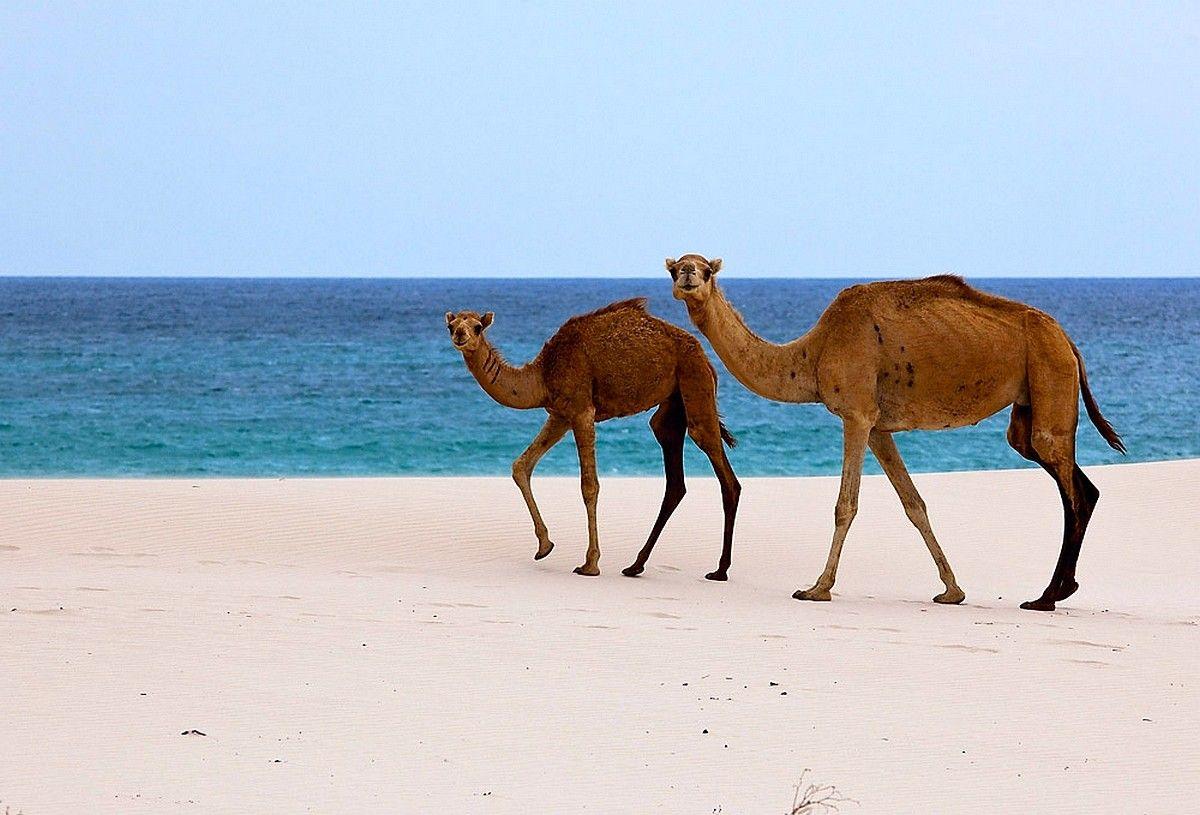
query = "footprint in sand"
{"x": 211, "y": 562}
{"x": 971, "y": 649}
{"x": 664, "y": 615}
{"x": 1089, "y": 644}
{"x": 9, "y": 548}
{"x": 667, "y": 568}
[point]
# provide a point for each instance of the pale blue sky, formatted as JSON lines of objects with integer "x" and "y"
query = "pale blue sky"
{"x": 589, "y": 139}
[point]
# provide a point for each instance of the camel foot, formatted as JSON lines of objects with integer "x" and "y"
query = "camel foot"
{"x": 634, "y": 570}
{"x": 719, "y": 575}
{"x": 951, "y": 597}
{"x": 587, "y": 571}
{"x": 544, "y": 549}
{"x": 1066, "y": 590}
{"x": 1040, "y": 604}
{"x": 814, "y": 593}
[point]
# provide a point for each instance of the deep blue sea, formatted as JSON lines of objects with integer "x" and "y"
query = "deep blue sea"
{"x": 137, "y": 377}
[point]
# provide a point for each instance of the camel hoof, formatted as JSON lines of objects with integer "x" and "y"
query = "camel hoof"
{"x": 586, "y": 572}
{"x": 633, "y": 571}
{"x": 1040, "y": 604}
{"x": 1067, "y": 591}
{"x": 541, "y": 553}
{"x": 717, "y": 575}
{"x": 821, "y": 595}
{"x": 951, "y": 597}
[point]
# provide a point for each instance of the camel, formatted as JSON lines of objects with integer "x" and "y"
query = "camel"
{"x": 617, "y": 361}
{"x": 922, "y": 354}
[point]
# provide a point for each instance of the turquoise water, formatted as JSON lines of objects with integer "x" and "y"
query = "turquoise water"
{"x": 357, "y": 377}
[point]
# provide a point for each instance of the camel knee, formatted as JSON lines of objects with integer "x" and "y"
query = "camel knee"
{"x": 844, "y": 511}
{"x": 591, "y": 488}
{"x": 914, "y": 508}
{"x": 520, "y": 472}
{"x": 733, "y": 490}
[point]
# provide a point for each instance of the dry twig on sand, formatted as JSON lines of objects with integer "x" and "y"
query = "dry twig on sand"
{"x": 813, "y": 798}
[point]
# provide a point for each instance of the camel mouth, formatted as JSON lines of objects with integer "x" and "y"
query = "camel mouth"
{"x": 691, "y": 287}
{"x": 460, "y": 345}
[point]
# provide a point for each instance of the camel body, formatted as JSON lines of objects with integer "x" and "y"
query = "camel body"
{"x": 926, "y": 354}
{"x": 617, "y": 361}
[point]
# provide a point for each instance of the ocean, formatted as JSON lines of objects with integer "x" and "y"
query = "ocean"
{"x": 301, "y": 377}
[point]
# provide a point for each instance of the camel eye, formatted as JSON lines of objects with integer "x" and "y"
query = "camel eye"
{"x": 478, "y": 329}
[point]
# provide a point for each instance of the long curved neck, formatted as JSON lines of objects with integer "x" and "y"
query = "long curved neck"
{"x": 510, "y": 386}
{"x": 785, "y": 373}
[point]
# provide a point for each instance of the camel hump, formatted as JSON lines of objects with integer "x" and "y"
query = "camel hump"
{"x": 949, "y": 279}
{"x": 632, "y": 304}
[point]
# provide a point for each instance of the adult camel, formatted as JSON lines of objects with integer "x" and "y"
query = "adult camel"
{"x": 922, "y": 354}
{"x": 617, "y": 361}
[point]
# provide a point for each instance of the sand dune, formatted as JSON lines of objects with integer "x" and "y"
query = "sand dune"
{"x": 388, "y": 645}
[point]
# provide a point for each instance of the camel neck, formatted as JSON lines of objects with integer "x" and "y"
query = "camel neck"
{"x": 785, "y": 373}
{"x": 509, "y": 385}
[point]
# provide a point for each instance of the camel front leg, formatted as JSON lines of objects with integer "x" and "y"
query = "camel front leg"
{"x": 584, "y": 429}
{"x": 855, "y": 432}
{"x": 884, "y": 448}
{"x": 550, "y": 434}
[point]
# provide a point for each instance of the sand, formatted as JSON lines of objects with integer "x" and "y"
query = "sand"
{"x": 389, "y": 645}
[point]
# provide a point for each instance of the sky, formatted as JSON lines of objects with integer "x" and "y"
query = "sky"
{"x": 594, "y": 139}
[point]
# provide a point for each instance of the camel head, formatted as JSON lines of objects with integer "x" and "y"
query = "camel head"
{"x": 693, "y": 277}
{"x": 466, "y": 329}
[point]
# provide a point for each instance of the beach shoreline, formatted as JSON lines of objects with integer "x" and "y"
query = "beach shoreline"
{"x": 388, "y": 644}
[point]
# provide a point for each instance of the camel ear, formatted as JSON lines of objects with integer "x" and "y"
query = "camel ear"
{"x": 671, "y": 266}
{"x": 486, "y": 320}
{"x": 449, "y": 317}
{"x": 715, "y": 265}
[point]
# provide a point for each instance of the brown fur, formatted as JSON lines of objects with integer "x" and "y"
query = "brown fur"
{"x": 616, "y": 361}
{"x": 918, "y": 354}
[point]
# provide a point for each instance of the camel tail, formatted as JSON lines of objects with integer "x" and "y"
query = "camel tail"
{"x": 1093, "y": 410}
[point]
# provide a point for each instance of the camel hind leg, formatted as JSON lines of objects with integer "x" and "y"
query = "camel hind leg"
{"x": 584, "y": 429}
{"x": 1044, "y": 433}
{"x": 670, "y": 427}
{"x": 698, "y": 387}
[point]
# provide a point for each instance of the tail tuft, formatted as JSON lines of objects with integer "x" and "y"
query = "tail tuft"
{"x": 727, "y": 437}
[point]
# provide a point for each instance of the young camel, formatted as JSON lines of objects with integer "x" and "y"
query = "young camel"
{"x": 918, "y": 354}
{"x": 617, "y": 361}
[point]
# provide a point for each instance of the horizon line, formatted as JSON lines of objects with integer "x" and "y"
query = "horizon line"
{"x": 473, "y": 278}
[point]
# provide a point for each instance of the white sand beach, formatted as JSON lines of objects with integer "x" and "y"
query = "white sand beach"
{"x": 389, "y": 645}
